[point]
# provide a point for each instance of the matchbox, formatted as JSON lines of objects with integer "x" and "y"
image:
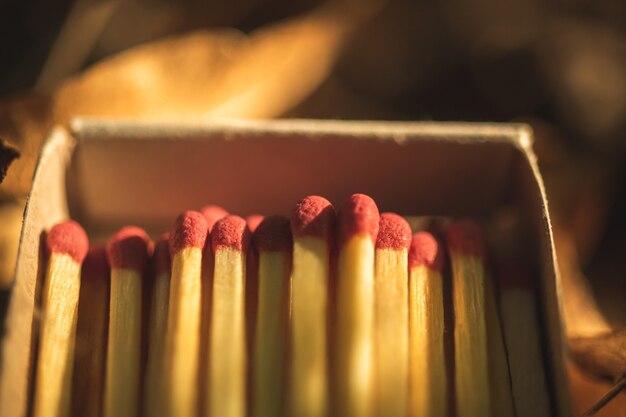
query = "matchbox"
{"x": 110, "y": 173}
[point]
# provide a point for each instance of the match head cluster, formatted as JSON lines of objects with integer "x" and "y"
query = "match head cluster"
{"x": 213, "y": 228}
{"x": 365, "y": 271}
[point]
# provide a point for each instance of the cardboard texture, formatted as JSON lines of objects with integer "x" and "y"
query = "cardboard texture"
{"x": 106, "y": 174}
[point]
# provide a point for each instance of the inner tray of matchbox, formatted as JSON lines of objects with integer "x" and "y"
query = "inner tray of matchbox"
{"x": 115, "y": 181}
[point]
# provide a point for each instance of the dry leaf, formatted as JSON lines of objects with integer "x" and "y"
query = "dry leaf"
{"x": 581, "y": 315}
{"x": 593, "y": 344}
{"x": 208, "y": 73}
{"x": 7, "y": 155}
{"x": 603, "y": 355}
{"x": 171, "y": 77}
{"x": 212, "y": 73}
{"x": 24, "y": 121}
{"x": 587, "y": 390}
{"x": 11, "y": 221}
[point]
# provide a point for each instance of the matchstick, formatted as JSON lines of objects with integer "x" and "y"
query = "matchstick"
{"x": 66, "y": 245}
{"x": 358, "y": 228}
{"x": 186, "y": 243}
{"x": 91, "y": 335}
{"x": 466, "y": 249}
{"x": 127, "y": 253}
{"x": 155, "y": 379}
{"x": 523, "y": 342}
{"x": 312, "y": 226}
{"x": 499, "y": 377}
{"x": 273, "y": 243}
{"x": 391, "y": 324}
{"x": 212, "y": 214}
{"x": 227, "y": 354}
{"x": 428, "y": 385}
{"x": 252, "y": 300}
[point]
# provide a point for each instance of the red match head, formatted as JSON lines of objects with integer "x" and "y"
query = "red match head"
{"x": 425, "y": 250}
{"x": 161, "y": 256}
{"x": 273, "y": 234}
{"x": 230, "y": 232}
{"x": 129, "y": 248}
{"x": 358, "y": 216}
{"x": 313, "y": 216}
{"x": 212, "y": 214}
{"x": 253, "y": 221}
{"x": 189, "y": 230}
{"x": 466, "y": 237}
{"x": 69, "y": 238}
{"x": 393, "y": 232}
{"x": 95, "y": 266}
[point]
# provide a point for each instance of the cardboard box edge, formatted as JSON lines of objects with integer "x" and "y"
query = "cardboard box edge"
{"x": 16, "y": 342}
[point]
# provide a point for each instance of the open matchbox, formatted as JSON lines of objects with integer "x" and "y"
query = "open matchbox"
{"x": 109, "y": 173}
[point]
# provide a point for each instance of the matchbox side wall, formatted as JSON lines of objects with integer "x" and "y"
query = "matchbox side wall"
{"x": 109, "y": 173}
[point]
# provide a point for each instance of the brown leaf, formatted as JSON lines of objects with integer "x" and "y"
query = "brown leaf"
{"x": 207, "y": 73}
{"x": 24, "y": 121}
{"x": 581, "y": 315}
{"x": 11, "y": 221}
{"x": 7, "y": 155}
{"x": 218, "y": 73}
{"x": 603, "y": 355}
{"x": 587, "y": 389}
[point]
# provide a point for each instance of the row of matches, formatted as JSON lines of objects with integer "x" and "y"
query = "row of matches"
{"x": 327, "y": 313}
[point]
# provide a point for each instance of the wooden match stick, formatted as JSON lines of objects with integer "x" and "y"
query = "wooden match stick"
{"x": 227, "y": 353}
{"x": 499, "y": 377}
{"x": 155, "y": 379}
{"x": 273, "y": 242}
{"x": 66, "y": 245}
{"x": 187, "y": 239}
{"x": 500, "y": 395}
{"x": 467, "y": 252}
{"x": 428, "y": 385}
{"x": 312, "y": 226}
{"x": 127, "y": 253}
{"x": 358, "y": 228}
{"x": 523, "y": 342}
{"x": 252, "y": 299}
{"x": 91, "y": 335}
{"x": 212, "y": 214}
{"x": 391, "y": 329}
